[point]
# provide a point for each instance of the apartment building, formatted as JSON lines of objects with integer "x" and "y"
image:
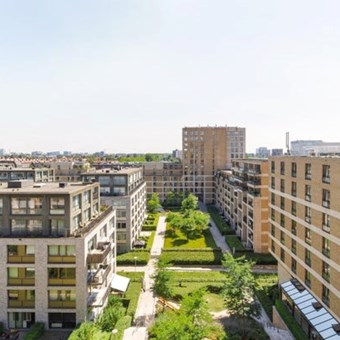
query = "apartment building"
{"x": 305, "y": 239}
{"x": 207, "y": 150}
{"x": 125, "y": 190}
{"x": 57, "y": 254}
{"x": 37, "y": 174}
{"x": 242, "y": 196}
{"x": 69, "y": 170}
{"x": 163, "y": 177}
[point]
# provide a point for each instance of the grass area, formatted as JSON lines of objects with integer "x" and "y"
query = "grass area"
{"x": 140, "y": 258}
{"x": 223, "y": 227}
{"x": 178, "y": 240}
{"x": 187, "y": 282}
{"x": 215, "y": 302}
{"x": 290, "y": 321}
{"x": 150, "y": 224}
{"x": 150, "y": 240}
{"x": 234, "y": 243}
{"x": 132, "y": 294}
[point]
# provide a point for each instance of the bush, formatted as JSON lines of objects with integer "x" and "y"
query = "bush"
{"x": 122, "y": 324}
{"x": 142, "y": 258}
{"x": 290, "y": 321}
{"x": 257, "y": 258}
{"x": 192, "y": 258}
{"x": 35, "y": 332}
{"x": 222, "y": 226}
{"x": 234, "y": 243}
{"x": 86, "y": 330}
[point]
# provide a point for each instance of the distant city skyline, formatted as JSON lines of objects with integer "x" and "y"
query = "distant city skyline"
{"x": 127, "y": 76}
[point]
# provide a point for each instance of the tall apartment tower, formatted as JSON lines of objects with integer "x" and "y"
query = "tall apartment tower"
{"x": 207, "y": 150}
{"x": 305, "y": 239}
{"x": 57, "y": 254}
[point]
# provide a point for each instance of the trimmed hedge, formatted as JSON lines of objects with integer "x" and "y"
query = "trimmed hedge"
{"x": 208, "y": 250}
{"x": 290, "y": 321}
{"x": 142, "y": 258}
{"x": 223, "y": 227}
{"x": 122, "y": 324}
{"x": 35, "y": 332}
{"x": 234, "y": 243}
{"x": 257, "y": 258}
{"x": 184, "y": 257}
{"x": 150, "y": 224}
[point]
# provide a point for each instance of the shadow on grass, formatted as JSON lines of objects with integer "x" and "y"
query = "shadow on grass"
{"x": 179, "y": 242}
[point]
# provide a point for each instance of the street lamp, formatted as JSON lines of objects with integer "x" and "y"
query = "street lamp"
{"x": 135, "y": 258}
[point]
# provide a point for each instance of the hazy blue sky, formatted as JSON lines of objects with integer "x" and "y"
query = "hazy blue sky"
{"x": 126, "y": 76}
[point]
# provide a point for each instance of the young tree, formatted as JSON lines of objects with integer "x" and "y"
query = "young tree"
{"x": 162, "y": 281}
{"x": 193, "y": 223}
{"x": 153, "y": 203}
{"x": 239, "y": 289}
{"x": 189, "y": 203}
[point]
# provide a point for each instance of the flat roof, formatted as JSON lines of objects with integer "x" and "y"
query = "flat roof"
{"x": 45, "y": 188}
{"x": 124, "y": 171}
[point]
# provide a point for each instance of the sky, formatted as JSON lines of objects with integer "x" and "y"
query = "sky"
{"x": 127, "y": 75}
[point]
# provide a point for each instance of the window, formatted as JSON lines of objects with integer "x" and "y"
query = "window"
{"x": 273, "y": 198}
{"x": 273, "y": 182}
{"x": 293, "y": 246}
{"x": 282, "y": 185}
{"x": 272, "y": 214}
{"x": 26, "y": 227}
{"x": 308, "y": 193}
{"x": 308, "y": 171}
{"x": 293, "y": 266}
{"x": 119, "y": 180}
{"x": 19, "y": 206}
{"x": 325, "y": 295}
{"x": 308, "y": 257}
{"x": 308, "y": 279}
{"x": 61, "y": 273}
{"x": 282, "y": 220}
{"x": 26, "y": 206}
{"x": 294, "y": 189}
{"x": 273, "y": 246}
{"x": 293, "y": 227}
{"x": 61, "y": 295}
{"x": 326, "y": 222}
{"x": 1, "y": 205}
{"x": 308, "y": 214}
{"x": 62, "y": 250}
{"x": 57, "y": 206}
{"x": 282, "y": 168}
{"x": 76, "y": 202}
{"x": 293, "y": 169}
{"x": 325, "y": 271}
{"x": 57, "y": 227}
{"x": 87, "y": 195}
{"x": 273, "y": 230}
{"x": 282, "y": 255}
{"x": 326, "y": 174}
{"x": 76, "y": 222}
{"x": 294, "y": 208}
{"x": 282, "y": 237}
{"x": 282, "y": 203}
{"x": 326, "y": 198}
{"x": 119, "y": 191}
{"x": 92, "y": 244}
{"x": 121, "y": 213}
{"x": 326, "y": 249}
{"x": 308, "y": 239}
{"x": 273, "y": 167}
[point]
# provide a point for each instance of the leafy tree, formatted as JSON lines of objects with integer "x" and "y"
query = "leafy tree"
{"x": 189, "y": 203}
{"x": 153, "y": 203}
{"x": 170, "y": 199}
{"x": 162, "y": 281}
{"x": 193, "y": 223}
{"x": 85, "y": 332}
{"x": 111, "y": 314}
{"x": 239, "y": 289}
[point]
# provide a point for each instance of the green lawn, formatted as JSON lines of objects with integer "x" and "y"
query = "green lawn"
{"x": 178, "y": 240}
{"x": 215, "y": 302}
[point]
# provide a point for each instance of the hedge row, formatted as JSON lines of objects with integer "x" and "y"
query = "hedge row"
{"x": 122, "y": 324}
{"x": 223, "y": 227}
{"x": 192, "y": 258}
{"x": 257, "y": 258}
{"x": 202, "y": 250}
{"x": 290, "y": 321}
{"x": 35, "y": 332}
{"x": 150, "y": 224}
{"x": 234, "y": 243}
{"x": 140, "y": 258}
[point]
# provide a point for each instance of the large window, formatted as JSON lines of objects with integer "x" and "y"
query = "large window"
{"x": 294, "y": 169}
{"x": 308, "y": 214}
{"x": 61, "y": 273}
{"x": 20, "y": 227}
{"x": 25, "y": 206}
{"x": 308, "y": 193}
{"x": 326, "y": 247}
{"x": 119, "y": 191}
{"x": 57, "y": 206}
{"x": 326, "y": 222}
{"x": 76, "y": 202}
{"x": 1, "y": 205}
{"x": 119, "y": 180}
{"x": 326, "y": 198}
{"x": 325, "y": 271}
{"x": 62, "y": 250}
{"x": 326, "y": 173}
{"x": 62, "y": 320}
{"x": 308, "y": 171}
{"x": 294, "y": 189}
{"x": 57, "y": 227}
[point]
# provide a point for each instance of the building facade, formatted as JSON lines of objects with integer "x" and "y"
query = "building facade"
{"x": 305, "y": 234}
{"x": 37, "y": 174}
{"x": 57, "y": 254}
{"x": 242, "y": 196}
{"x": 207, "y": 150}
{"x": 125, "y": 190}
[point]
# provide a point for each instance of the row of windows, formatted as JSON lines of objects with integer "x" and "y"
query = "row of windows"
{"x": 307, "y": 170}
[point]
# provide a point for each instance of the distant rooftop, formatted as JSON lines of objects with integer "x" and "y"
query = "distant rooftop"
{"x": 121, "y": 171}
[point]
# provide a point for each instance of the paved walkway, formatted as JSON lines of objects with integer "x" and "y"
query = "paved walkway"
{"x": 146, "y": 308}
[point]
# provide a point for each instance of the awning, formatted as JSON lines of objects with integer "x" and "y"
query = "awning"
{"x": 120, "y": 283}
{"x": 318, "y": 317}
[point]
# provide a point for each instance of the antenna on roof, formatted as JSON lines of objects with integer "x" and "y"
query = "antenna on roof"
{"x": 287, "y": 143}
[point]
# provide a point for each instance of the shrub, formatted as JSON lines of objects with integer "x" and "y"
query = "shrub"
{"x": 142, "y": 258}
{"x": 192, "y": 258}
{"x": 122, "y": 324}
{"x": 222, "y": 226}
{"x": 234, "y": 243}
{"x": 257, "y": 258}
{"x": 35, "y": 332}
{"x": 86, "y": 330}
{"x": 290, "y": 321}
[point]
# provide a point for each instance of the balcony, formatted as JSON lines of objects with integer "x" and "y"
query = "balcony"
{"x": 21, "y": 303}
{"x": 61, "y": 304}
{"x": 61, "y": 259}
{"x": 100, "y": 276}
{"x": 98, "y": 297}
{"x": 20, "y": 259}
{"x": 61, "y": 282}
{"x": 99, "y": 255}
{"x": 26, "y": 281}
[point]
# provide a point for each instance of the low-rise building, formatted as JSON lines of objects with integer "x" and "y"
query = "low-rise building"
{"x": 57, "y": 254}
{"x": 36, "y": 174}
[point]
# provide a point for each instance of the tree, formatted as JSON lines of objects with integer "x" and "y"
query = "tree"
{"x": 239, "y": 289}
{"x": 162, "y": 281}
{"x": 170, "y": 199}
{"x": 193, "y": 223}
{"x": 189, "y": 203}
{"x": 153, "y": 203}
